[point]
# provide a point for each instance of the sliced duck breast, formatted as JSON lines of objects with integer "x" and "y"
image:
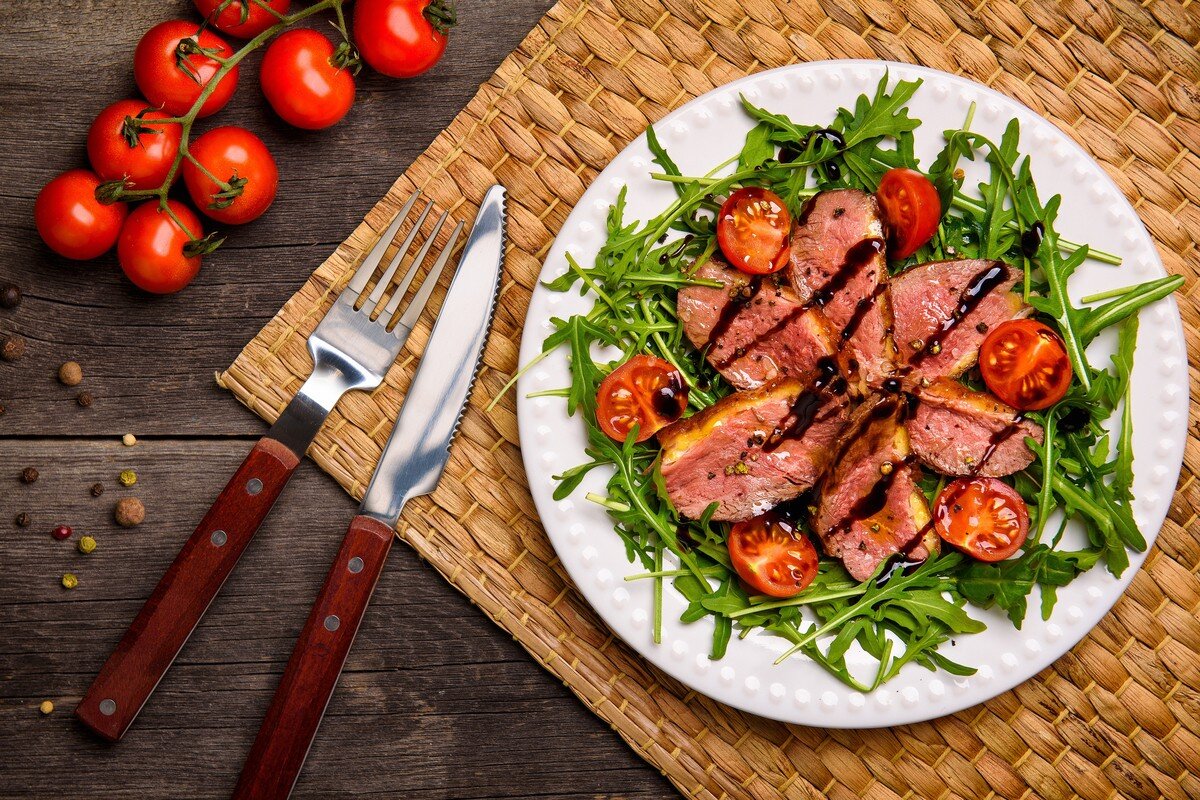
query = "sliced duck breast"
{"x": 870, "y": 507}
{"x": 752, "y": 450}
{"x": 755, "y": 329}
{"x": 942, "y": 312}
{"x": 838, "y": 263}
{"x": 957, "y": 431}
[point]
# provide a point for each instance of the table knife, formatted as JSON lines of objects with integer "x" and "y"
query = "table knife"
{"x": 411, "y": 464}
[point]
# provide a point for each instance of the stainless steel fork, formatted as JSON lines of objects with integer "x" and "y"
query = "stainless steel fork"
{"x": 352, "y": 348}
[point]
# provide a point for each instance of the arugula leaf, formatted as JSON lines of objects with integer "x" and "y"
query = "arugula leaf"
{"x": 758, "y": 147}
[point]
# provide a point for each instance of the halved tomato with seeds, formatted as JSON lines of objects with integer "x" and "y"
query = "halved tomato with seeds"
{"x": 1025, "y": 364}
{"x": 771, "y": 556}
{"x": 752, "y": 228}
{"x": 983, "y": 517}
{"x": 644, "y": 391}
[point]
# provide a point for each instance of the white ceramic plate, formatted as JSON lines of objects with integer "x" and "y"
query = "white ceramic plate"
{"x": 701, "y": 135}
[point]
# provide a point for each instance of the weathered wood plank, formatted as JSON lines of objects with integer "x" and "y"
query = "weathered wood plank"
{"x": 435, "y": 702}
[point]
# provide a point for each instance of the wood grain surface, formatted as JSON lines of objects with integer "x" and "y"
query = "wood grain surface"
{"x": 435, "y": 701}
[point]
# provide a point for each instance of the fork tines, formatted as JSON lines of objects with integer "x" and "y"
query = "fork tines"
{"x": 373, "y": 306}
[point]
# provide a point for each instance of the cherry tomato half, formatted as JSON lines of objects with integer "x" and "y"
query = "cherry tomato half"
{"x": 72, "y": 221}
{"x": 1025, "y": 364}
{"x": 144, "y": 165}
{"x": 644, "y": 391}
{"x": 238, "y": 157}
{"x": 402, "y": 38}
{"x": 771, "y": 556}
{"x": 752, "y": 229}
{"x": 302, "y": 83}
{"x": 911, "y": 210}
{"x": 174, "y": 86}
{"x": 244, "y": 19}
{"x": 150, "y": 249}
{"x": 983, "y": 517}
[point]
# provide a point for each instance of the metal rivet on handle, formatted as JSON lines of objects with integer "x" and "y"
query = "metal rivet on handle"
{"x": 332, "y": 623}
{"x": 355, "y": 565}
{"x": 253, "y": 486}
{"x": 108, "y": 707}
{"x": 218, "y": 538}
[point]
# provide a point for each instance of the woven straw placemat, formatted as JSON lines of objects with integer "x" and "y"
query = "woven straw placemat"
{"x": 1117, "y": 716}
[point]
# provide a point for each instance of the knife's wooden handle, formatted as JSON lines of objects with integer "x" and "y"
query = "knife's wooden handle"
{"x": 183, "y": 594}
{"x": 312, "y": 672}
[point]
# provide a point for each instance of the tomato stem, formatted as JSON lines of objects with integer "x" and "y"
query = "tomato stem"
{"x": 441, "y": 15}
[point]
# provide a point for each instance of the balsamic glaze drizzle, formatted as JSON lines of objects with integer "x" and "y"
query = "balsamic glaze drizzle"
{"x": 980, "y": 287}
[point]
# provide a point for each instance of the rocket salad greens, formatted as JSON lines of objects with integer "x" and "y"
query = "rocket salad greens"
{"x": 1081, "y": 470}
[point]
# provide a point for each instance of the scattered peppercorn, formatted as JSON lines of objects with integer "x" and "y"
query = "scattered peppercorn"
{"x": 129, "y": 440}
{"x": 127, "y": 478}
{"x": 84, "y": 399}
{"x": 13, "y": 348}
{"x": 47, "y": 707}
{"x": 97, "y": 489}
{"x": 70, "y": 373}
{"x": 129, "y": 512}
{"x": 61, "y": 532}
{"x": 23, "y": 520}
{"x": 69, "y": 581}
{"x": 87, "y": 544}
{"x": 29, "y": 475}
{"x": 886, "y": 468}
{"x": 10, "y": 296}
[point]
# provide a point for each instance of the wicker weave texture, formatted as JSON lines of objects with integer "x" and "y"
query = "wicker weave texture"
{"x": 1120, "y": 714}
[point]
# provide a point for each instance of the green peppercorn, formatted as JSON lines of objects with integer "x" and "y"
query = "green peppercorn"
{"x": 87, "y": 544}
{"x": 127, "y": 478}
{"x": 69, "y": 581}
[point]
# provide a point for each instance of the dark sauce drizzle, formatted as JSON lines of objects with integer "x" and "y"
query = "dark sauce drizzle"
{"x": 805, "y": 408}
{"x": 670, "y": 400}
{"x": 980, "y": 287}
{"x": 1031, "y": 239}
{"x": 790, "y": 152}
{"x": 678, "y": 251}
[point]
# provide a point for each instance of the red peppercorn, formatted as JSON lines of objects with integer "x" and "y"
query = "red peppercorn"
{"x": 61, "y": 532}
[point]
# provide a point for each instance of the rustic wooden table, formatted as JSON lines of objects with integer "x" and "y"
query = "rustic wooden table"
{"x": 436, "y": 701}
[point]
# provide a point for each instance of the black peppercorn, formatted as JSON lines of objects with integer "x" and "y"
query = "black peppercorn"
{"x": 84, "y": 399}
{"x": 13, "y": 348}
{"x": 29, "y": 475}
{"x": 22, "y": 520}
{"x": 10, "y": 296}
{"x": 97, "y": 489}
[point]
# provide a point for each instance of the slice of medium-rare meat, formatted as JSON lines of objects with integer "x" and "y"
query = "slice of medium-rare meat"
{"x": 957, "y": 431}
{"x": 754, "y": 328}
{"x": 838, "y": 263}
{"x": 870, "y": 507}
{"x": 752, "y": 450}
{"x": 942, "y": 312}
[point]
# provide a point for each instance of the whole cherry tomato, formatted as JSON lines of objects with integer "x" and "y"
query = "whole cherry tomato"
{"x": 238, "y": 157}
{"x": 911, "y": 210}
{"x": 302, "y": 83}
{"x": 244, "y": 19}
{"x": 123, "y": 143}
{"x": 1025, "y": 364}
{"x": 983, "y": 517}
{"x": 644, "y": 391}
{"x": 402, "y": 38}
{"x": 151, "y": 247}
{"x": 172, "y": 82}
{"x": 72, "y": 221}
{"x": 771, "y": 556}
{"x": 752, "y": 228}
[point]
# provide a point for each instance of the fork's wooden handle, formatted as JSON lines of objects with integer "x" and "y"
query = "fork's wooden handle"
{"x": 312, "y": 672}
{"x": 183, "y": 594}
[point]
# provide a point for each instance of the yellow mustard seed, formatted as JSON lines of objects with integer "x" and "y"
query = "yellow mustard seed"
{"x": 87, "y": 544}
{"x": 127, "y": 478}
{"x": 69, "y": 581}
{"x": 47, "y": 707}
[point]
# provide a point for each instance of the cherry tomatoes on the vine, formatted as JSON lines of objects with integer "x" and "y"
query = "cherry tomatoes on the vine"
{"x": 911, "y": 210}
{"x": 402, "y": 38}
{"x": 240, "y": 159}
{"x": 244, "y": 19}
{"x": 151, "y": 247}
{"x": 752, "y": 228}
{"x": 1025, "y": 364}
{"x": 174, "y": 81}
{"x": 644, "y": 391}
{"x": 124, "y": 143}
{"x": 771, "y": 556}
{"x": 983, "y": 517}
{"x": 71, "y": 221}
{"x": 302, "y": 83}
